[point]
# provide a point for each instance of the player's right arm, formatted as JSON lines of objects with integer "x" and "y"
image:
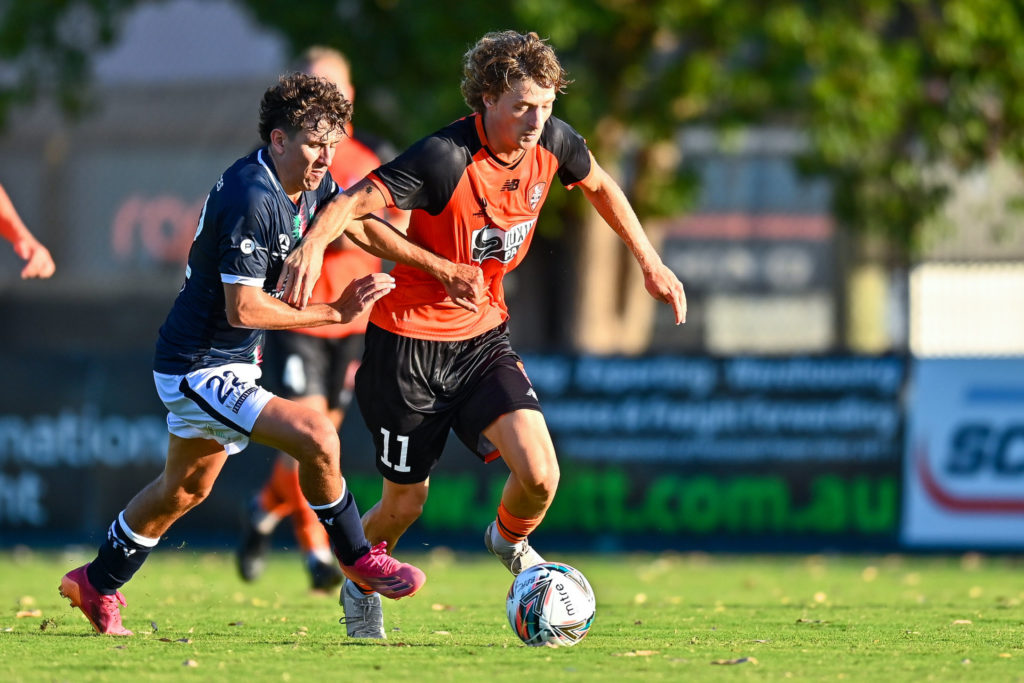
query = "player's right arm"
{"x": 248, "y": 306}
{"x": 344, "y": 215}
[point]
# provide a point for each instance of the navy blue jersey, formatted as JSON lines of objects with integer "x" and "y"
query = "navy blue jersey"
{"x": 247, "y": 228}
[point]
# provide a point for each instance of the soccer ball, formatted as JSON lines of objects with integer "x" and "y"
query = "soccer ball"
{"x": 550, "y": 604}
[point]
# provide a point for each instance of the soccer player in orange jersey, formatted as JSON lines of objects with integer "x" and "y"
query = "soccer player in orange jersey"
{"x": 437, "y": 362}
{"x": 38, "y": 262}
{"x": 315, "y": 366}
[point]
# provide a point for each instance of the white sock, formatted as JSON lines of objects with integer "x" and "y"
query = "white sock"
{"x": 499, "y": 542}
{"x": 267, "y": 523}
{"x": 322, "y": 555}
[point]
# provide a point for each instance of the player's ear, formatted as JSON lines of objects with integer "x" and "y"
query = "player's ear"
{"x": 277, "y": 139}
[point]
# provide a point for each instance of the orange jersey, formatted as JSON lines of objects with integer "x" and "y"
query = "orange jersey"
{"x": 353, "y": 160}
{"x": 469, "y": 207}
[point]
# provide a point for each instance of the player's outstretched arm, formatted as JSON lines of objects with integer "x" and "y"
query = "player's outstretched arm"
{"x": 250, "y": 307}
{"x": 302, "y": 267}
{"x": 608, "y": 198}
{"x": 38, "y": 262}
{"x": 463, "y": 282}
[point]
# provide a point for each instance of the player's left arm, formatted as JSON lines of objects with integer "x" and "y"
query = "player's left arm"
{"x": 610, "y": 201}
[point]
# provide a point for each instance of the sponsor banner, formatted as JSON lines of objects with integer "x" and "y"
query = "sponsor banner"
{"x": 655, "y": 452}
{"x": 797, "y": 451}
{"x": 964, "y": 465}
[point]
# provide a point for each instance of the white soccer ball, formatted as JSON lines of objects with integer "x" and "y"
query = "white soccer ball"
{"x": 550, "y": 604}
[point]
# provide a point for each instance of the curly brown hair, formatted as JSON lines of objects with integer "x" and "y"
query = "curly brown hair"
{"x": 303, "y": 102}
{"x": 502, "y": 57}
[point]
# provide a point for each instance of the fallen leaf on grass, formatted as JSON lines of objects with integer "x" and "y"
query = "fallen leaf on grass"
{"x": 801, "y": 620}
{"x": 236, "y": 623}
{"x": 1005, "y": 655}
{"x": 153, "y": 626}
{"x": 738, "y": 660}
{"x": 635, "y": 653}
{"x": 8, "y": 629}
{"x": 23, "y": 613}
{"x": 47, "y": 623}
{"x": 438, "y": 607}
{"x": 120, "y": 647}
{"x": 190, "y": 663}
{"x": 442, "y": 633}
{"x": 962, "y": 621}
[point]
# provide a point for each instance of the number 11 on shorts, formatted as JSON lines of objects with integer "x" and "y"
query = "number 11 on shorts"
{"x": 403, "y": 442}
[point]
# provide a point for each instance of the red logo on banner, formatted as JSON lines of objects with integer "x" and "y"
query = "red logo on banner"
{"x": 951, "y": 501}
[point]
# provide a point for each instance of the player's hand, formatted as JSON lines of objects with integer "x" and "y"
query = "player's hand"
{"x": 361, "y": 293}
{"x": 663, "y": 285}
{"x": 299, "y": 273}
{"x": 39, "y": 262}
{"x": 464, "y": 284}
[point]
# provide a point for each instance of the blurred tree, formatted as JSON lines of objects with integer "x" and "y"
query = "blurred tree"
{"x": 46, "y": 48}
{"x": 898, "y": 99}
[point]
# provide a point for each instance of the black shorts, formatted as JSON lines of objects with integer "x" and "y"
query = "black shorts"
{"x": 300, "y": 365}
{"x": 413, "y": 391}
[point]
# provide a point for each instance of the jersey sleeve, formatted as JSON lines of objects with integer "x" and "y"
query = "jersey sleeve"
{"x": 425, "y": 175}
{"x": 570, "y": 148}
{"x": 245, "y": 241}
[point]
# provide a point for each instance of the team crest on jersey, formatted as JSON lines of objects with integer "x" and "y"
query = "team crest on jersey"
{"x": 247, "y": 246}
{"x": 502, "y": 245}
{"x": 536, "y": 192}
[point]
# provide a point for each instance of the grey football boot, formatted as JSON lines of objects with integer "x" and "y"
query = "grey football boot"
{"x": 364, "y": 617}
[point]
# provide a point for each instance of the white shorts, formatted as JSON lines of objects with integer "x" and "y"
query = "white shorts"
{"x": 220, "y": 403}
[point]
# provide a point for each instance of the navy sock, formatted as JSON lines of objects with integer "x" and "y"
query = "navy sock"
{"x": 344, "y": 527}
{"x": 119, "y": 557}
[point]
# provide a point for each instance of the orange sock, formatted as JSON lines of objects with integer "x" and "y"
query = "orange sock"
{"x": 514, "y": 529}
{"x": 276, "y": 497}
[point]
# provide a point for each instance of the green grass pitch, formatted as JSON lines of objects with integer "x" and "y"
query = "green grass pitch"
{"x": 660, "y": 617}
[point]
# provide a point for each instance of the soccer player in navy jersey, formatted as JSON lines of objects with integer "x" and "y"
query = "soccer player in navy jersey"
{"x": 316, "y": 366}
{"x": 435, "y": 363}
{"x": 209, "y": 348}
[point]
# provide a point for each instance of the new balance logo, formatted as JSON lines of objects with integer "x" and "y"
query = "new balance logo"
{"x": 510, "y": 185}
{"x": 532, "y": 394}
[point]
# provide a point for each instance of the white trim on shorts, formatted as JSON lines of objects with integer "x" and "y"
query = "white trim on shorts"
{"x": 220, "y": 403}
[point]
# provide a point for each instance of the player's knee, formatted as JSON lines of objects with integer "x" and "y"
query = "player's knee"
{"x": 541, "y": 481}
{"x": 317, "y": 442}
{"x": 407, "y": 508}
{"x": 189, "y": 493}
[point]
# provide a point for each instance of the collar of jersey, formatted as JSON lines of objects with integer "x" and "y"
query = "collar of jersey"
{"x": 271, "y": 172}
{"x": 490, "y": 153}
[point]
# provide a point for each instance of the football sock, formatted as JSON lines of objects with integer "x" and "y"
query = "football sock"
{"x": 119, "y": 557}
{"x": 344, "y": 528}
{"x": 322, "y": 555}
{"x": 512, "y": 529}
{"x": 275, "y": 497}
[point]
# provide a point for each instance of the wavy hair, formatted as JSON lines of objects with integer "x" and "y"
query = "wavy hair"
{"x": 303, "y": 102}
{"x": 501, "y": 58}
